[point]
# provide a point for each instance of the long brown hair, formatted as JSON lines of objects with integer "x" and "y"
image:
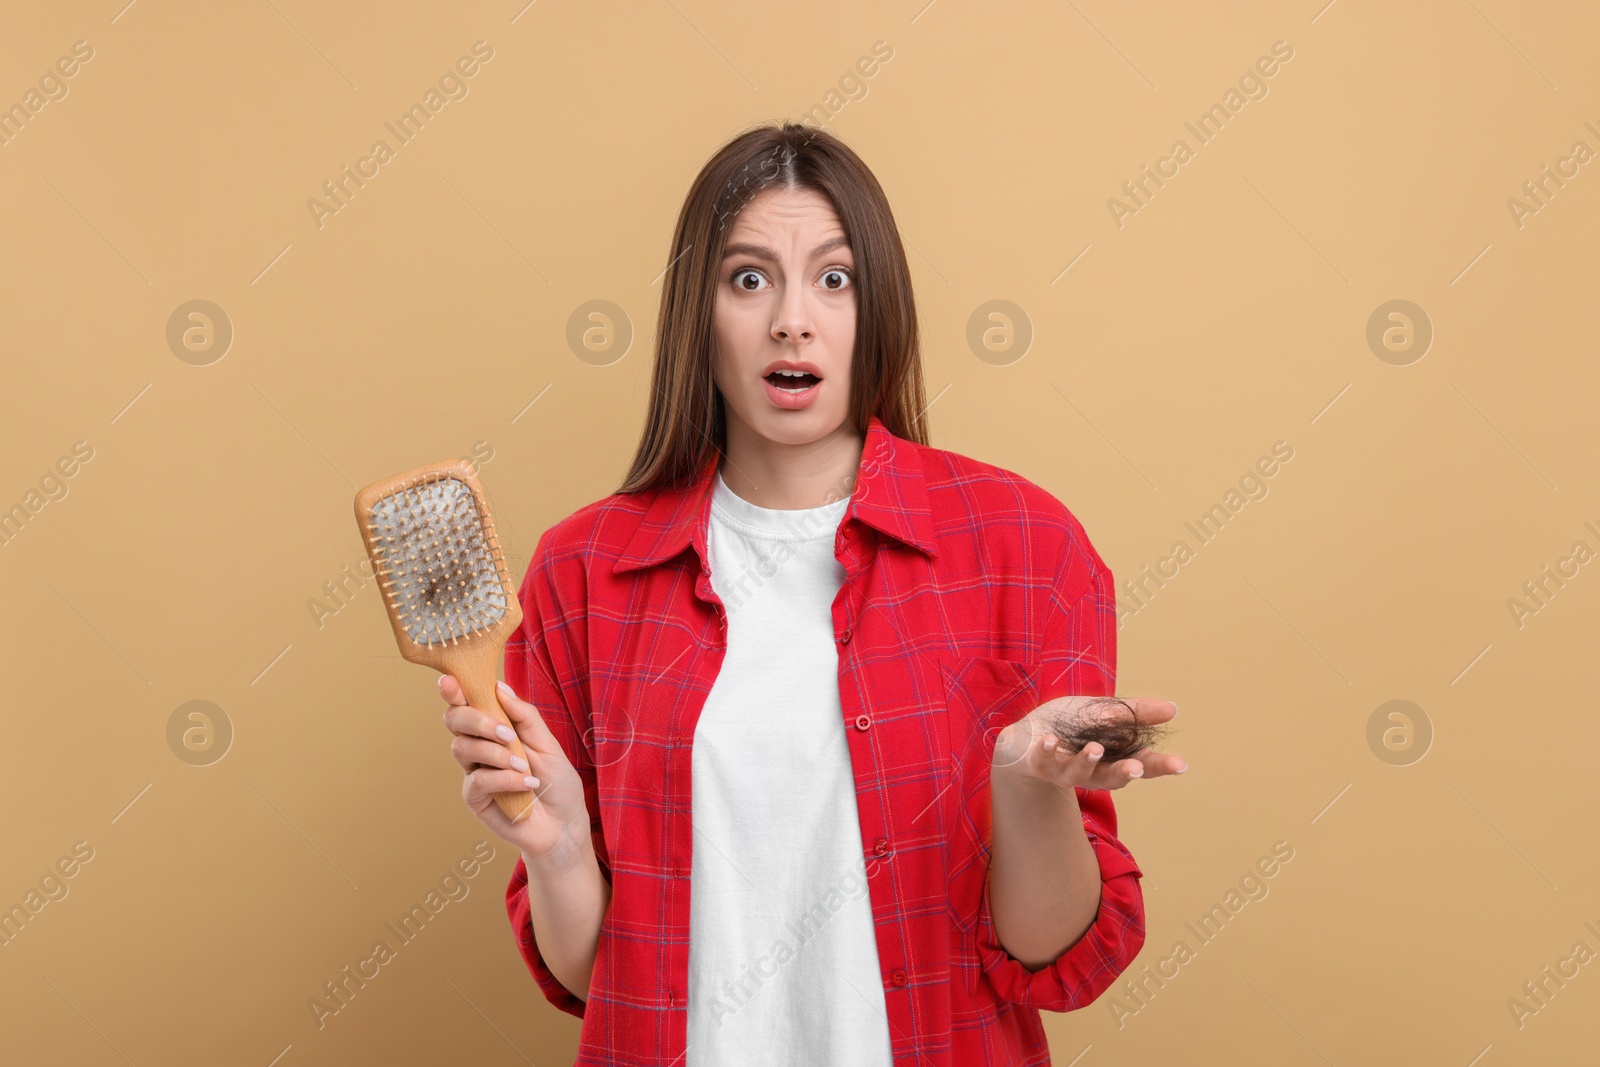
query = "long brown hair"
{"x": 685, "y": 421}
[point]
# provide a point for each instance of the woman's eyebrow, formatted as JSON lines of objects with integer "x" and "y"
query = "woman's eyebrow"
{"x": 743, "y": 248}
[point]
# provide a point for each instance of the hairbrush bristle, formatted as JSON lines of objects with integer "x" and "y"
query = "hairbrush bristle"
{"x": 439, "y": 564}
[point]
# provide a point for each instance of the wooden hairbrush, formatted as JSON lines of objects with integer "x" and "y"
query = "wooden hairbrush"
{"x": 448, "y": 592}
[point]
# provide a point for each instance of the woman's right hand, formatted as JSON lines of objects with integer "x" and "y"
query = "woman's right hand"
{"x": 557, "y": 824}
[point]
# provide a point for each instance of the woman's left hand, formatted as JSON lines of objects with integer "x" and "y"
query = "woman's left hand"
{"x": 1030, "y": 748}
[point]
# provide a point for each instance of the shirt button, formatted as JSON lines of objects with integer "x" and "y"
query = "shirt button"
{"x": 844, "y": 638}
{"x": 898, "y": 978}
{"x": 862, "y": 722}
{"x": 881, "y": 847}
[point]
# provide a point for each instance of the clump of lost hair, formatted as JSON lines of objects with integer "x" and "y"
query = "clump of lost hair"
{"x": 1122, "y": 736}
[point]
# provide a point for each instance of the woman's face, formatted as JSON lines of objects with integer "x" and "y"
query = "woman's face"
{"x": 786, "y": 301}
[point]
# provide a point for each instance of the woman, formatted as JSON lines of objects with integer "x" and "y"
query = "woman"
{"x": 762, "y": 686}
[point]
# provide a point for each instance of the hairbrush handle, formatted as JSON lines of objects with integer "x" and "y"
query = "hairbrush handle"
{"x": 477, "y": 680}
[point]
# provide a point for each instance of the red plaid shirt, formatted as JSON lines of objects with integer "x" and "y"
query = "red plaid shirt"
{"x": 970, "y": 597}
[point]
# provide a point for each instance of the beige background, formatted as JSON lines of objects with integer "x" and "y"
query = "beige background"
{"x": 426, "y": 316}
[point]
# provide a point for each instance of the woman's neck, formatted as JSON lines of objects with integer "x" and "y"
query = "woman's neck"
{"x": 786, "y": 477}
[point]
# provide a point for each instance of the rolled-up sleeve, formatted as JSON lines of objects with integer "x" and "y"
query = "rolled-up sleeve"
{"x": 1078, "y": 657}
{"x": 531, "y": 671}
{"x": 1079, "y": 975}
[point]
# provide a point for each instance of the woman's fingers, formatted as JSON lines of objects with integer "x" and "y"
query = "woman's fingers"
{"x": 525, "y": 717}
{"x": 480, "y": 786}
{"x": 482, "y": 740}
{"x": 473, "y": 752}
{"x": 1119, "y": 774}
{"x": 1082, "y": 768}
{"x": 1161, "y": 763}
{"x": 1151, "y": 710}
{"x": 1127, "y": 770}
{"x": 465, "y": 719}
{"x": 1088, "y": 758}
{"x": 1146, "y": 763}
{"x": 1048, "y": 759}
{"x": 450, "y": 689}
{"x": 1044, "y": 756}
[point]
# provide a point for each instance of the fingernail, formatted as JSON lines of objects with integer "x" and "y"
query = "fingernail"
{"x": 505, "y": 689}
{"x": 505, "y": 733}
{"x": 441, "y": 683}
{"x": 531, "y": 782}
{"x": 1138, "y": 772}
{"x": 522, "y": 765}
{"x": 1182, "y": 767}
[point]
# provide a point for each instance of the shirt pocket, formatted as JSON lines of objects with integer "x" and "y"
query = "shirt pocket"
{"x": 983, "y": 695}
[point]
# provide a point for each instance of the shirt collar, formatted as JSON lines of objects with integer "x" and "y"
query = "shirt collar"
{"x": 890, "y": 496}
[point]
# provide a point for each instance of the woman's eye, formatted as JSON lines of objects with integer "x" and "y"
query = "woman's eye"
{"x": 748, "y": 279}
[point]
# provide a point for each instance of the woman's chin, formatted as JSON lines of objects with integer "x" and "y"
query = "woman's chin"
{"x": 795, "y": 426}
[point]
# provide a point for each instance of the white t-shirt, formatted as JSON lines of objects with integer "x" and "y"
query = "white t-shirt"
{"x": 783, "y": 958}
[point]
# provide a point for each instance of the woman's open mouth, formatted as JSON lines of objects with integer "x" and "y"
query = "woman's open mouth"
{"x": 792, "y": 380}
{"x": 792, "y": 387}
